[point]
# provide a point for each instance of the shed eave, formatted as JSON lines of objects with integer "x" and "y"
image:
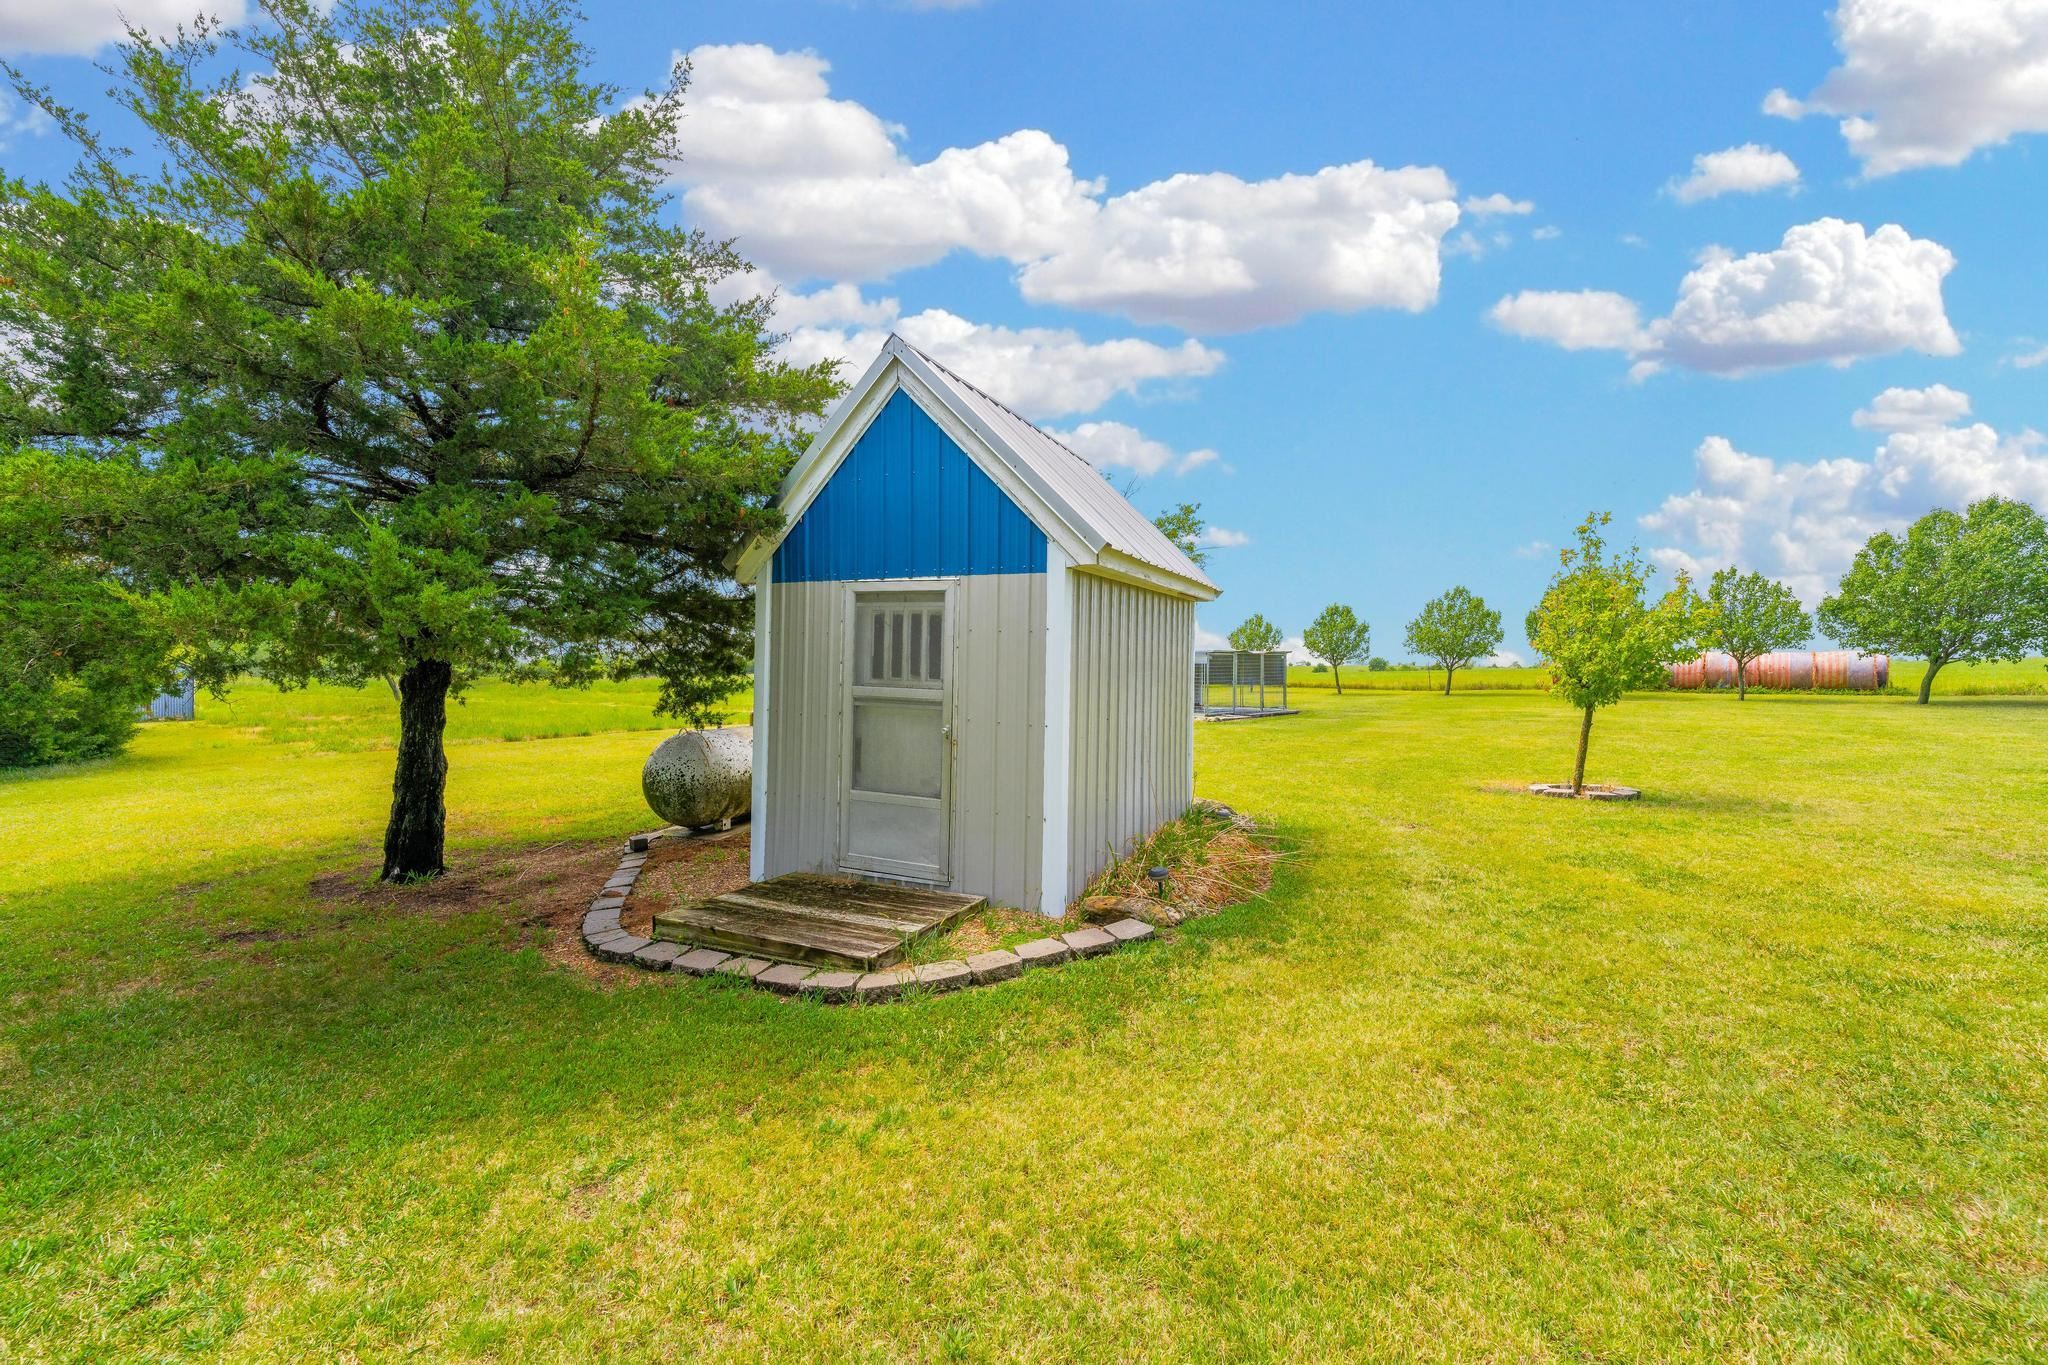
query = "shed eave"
{"x": 1114, "y": 563}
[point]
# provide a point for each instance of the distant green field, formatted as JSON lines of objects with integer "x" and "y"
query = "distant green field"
{"x": 1421, "y": 679}
{"x": 2027, "y": 678}
{"x": 341, "y": 719}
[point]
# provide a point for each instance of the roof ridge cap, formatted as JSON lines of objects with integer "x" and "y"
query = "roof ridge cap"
{"x": 959, "y": 378}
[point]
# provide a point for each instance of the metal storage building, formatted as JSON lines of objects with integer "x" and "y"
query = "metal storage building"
{"x": 970, "y": 655}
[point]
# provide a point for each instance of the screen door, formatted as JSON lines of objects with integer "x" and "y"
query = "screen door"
{"x": 899, "y": 748}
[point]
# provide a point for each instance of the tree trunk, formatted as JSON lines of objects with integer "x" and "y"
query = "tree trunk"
{"x": 1741, "y": 680}
{"x": 1337, "y": 672}
{"x": 1927, "y": 681}
{"x": 1579, "y": 768}
{"x": 1447, "y": 680}
{"x": 412, "y": 840}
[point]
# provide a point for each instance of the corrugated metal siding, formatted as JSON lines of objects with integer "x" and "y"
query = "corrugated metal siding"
{"x": 1131, "y": 758}
{"x": 998, "y": 657}
{"x": 181, "y": 704}
{"x": 908, "y": 503}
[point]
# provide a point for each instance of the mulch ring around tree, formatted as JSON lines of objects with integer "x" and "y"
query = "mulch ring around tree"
{"x": 1592, "y": 791}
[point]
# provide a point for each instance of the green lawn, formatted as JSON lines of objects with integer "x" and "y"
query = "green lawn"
{"x": 1757, "y": 1067}
{"x": 367, "y": 717}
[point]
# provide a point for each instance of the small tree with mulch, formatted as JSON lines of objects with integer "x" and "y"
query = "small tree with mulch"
{"x": 1601, "y": 634}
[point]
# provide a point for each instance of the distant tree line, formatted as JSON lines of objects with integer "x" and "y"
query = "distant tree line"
{"x": 1954, "y": 588}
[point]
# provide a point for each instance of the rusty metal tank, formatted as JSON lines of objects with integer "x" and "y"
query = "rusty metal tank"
{"x": 699, "y": 778}
{"x": 1789, "y": 671}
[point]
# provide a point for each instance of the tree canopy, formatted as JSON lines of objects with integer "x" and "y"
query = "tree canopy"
{"x": 1454, "y": 629}
{"x": 403, "y": 308}
{"x": 81, "y": 652}
{"x": 1600, "y": 633}
{"x": 1748, "y": 616}
{"x": 1338, "y": 637}
{"x": 1183, "y": 525}
{"x": 1955, "y": 588}
{"x": 1256, "y": 633}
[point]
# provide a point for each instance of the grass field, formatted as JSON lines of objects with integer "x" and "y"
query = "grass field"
{"x": 342, "y": 718}
{"x": 2026, "y": 678}
{"x": 1757, "y": 1067}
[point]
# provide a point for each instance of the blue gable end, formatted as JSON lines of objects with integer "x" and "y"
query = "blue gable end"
{"x": 908, "y": 503}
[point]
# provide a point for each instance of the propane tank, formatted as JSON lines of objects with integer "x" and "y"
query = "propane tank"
{"x": 698, "y": 778}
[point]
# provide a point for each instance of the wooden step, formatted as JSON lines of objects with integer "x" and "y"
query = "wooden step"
{"x": 809, "y": 917}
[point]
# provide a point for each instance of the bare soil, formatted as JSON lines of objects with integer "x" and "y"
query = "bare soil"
{"x": 543, "y": 890}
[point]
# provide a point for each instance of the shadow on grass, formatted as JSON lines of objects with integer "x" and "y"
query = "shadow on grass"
{"x": 127, "y": 761}
{"x": 263, "y": 1010}
{"x": 1652, "y": 799}
{"x": 1715, "y": 802}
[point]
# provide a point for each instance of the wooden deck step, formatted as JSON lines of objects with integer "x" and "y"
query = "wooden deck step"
{"x": 809, "y": 917}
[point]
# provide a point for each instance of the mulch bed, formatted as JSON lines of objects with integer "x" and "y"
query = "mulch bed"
{"x": 542, "y": 890}
{"x": 1229, "y": 863}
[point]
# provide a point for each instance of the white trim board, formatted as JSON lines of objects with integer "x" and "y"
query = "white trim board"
{"x": 1056, "y": 785}
{"x": 764, "y": 648}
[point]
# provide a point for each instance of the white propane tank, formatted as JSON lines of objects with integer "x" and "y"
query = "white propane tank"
{"x": 697, "y": 778}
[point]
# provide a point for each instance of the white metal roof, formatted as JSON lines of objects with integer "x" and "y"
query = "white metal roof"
{"x": 1069, "y": 492}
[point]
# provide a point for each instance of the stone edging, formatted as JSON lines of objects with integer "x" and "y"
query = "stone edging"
{"x": 609, "y": 943}
{"x": 1603, "y": 792}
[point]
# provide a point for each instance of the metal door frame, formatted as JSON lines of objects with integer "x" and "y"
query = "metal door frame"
{"x": 945, "y": 590}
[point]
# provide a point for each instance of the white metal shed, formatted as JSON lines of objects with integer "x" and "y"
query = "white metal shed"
{"x": 971, "y": 653}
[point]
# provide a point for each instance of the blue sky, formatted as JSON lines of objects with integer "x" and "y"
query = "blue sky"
{"x": 1151, "y": 226}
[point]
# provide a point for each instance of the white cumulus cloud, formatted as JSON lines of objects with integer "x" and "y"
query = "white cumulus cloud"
{"x": 1213, "y": 253}
{"x": 1040, "y": 371}
{"x": 1221, "y": 538}
{"x": 1830, "y": 291}
{"x": 1492, "y": 205}
{"x": 1118, "y": 446}
{"x": 17, "y": 117}
{"x": 1937, "y": 405}
{"x": 816, "y": 187}
{"x": 1748, "y": 169}
{"x": 81, "y": 27}
{"x": 1928, "y": 82}
{"x": 1578, "y": 320}
{"x": 1804, "y": 522}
